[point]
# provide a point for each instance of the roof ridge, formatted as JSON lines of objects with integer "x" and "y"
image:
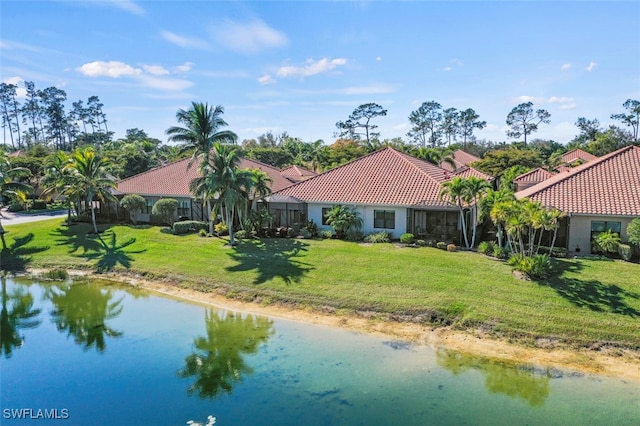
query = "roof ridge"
{"x": 411, "y": 160}
{"x": 559, "y": 177}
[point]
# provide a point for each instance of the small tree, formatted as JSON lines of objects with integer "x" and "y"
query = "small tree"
{"x": 166, "y": 209}
{"x": 633, "y": 231}
{"x": 607, "y": 241}
{"x": 134, "y": 203}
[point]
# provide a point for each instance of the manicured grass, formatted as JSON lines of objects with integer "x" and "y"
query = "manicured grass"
{"x": 589, "y": 302}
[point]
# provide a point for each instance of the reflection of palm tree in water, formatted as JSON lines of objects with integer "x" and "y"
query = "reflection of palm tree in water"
{"x": 82, "y": 310}
{"x": 500, "y": 377}
{"x": 217, "y": 361}
{"x": 17, "y": 313}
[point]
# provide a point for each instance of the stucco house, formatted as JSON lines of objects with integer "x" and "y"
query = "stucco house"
{"x": 172, "y": 181}
{"x": 391, "y": 191}
{"x": 601, "y": 194}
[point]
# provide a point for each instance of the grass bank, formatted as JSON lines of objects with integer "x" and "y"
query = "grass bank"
{"x": 591, "y": 303}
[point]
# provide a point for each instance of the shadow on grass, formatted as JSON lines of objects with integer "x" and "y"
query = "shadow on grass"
{"x": 109, "y": 253}
{"x": 592, "y": 294}
{"x": 77, "y": 238}
{"x": 17, "y": 255}
{"x": 271, "y": 258}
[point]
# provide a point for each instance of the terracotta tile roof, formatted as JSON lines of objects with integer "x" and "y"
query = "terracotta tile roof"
{"x": 467, "y": 172}
{"x": 460, "y": 159}
{"x": 608, "y": 185}
{"x": 384, "y": 177}
{"x": 535, "y": 175}
{"x": 173, "y": 179}
{"x": 296, "y": 173}
{"x": 577, "y": 155}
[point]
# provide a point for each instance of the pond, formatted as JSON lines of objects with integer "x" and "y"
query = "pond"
{"x": 99, "y": 353}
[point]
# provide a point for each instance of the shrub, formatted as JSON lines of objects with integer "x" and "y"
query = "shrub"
{"x": 134, "y": 203}
{"x": 312, "y": 227}
{"x": 188, "y": 226}
{"x": 327, "y": 234}
{"x": 607, "y": 241}
{"x": 166, "y": 209}
{"x": 305, "y": 233}
{"x": 16, "y": 206}
{"x": 39, "y": 205}
{"x": 633, "y": 231}
{"x": 221, "y": 229}
{"x": 378, "y": 237}
{"x": 354, "y": 235}
{"x": 291, "y": 233}
{"x": 534, "y": 267}
{"x": 432, "y": 243}
{"x": 500, "y": 252}
{"x": 625, "y": 251}
{"x": 452, "y": 247}
{"x": 407, "y": 238}
{"x": 421, "y": 243}
{"x": 486, "y": 247}
{"x": 441, "y": 245}
{"x": 58, "y": 274}
{"x": 241, "y": 234}
{"x": 202, "y": 232}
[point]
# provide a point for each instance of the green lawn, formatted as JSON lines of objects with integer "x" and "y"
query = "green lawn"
{"x": 590, "y": 301}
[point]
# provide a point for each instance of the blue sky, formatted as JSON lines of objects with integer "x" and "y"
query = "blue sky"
{"x": 302, "y": 66}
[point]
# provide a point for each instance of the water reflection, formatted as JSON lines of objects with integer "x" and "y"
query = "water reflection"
{"x": 17, "y": 314}
{"x": 82, "y": 310}
{"x": 530, "y": 384}
{"x": 217, "y": 361}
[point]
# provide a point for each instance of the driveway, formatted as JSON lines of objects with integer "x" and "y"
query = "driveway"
{"x": 9, "y": 218}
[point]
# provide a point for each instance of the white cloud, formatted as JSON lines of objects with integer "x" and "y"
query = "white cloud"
{"x": 21, "y": 92}
{"x": 148, "y": 75}
{"x": 10, "y": 45}
{"x": 311, "y": 67}
{"x": 565, "y": 67}
{"x": 266, "y": 79}
{"x": 560, "y": 100}
{"x": 186, "y": 67}
{"x": 251, "y": 37}
{"x": 155, "y": 70}
{"x": 591, "y": 66}
{"x": 378, "y": 58}
{"x": 446, "y": 69}
{"x": 182, "y": 41}
{"x": 568, "y": 106}
{"x": 526, "y": 99}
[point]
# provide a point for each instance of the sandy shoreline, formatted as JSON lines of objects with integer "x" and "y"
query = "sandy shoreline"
{"x": 622, "y": 364}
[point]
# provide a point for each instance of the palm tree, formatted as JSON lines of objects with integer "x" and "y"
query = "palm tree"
{"x": 223, "y": 184}
{"x": 487, "y": 204}
{"x": 9, "y": 186}
{"x": 17, "y": 313}
{"x": 436, "y": 156}
{"x": 342, "y": 219}
{"x": 476, "y": 189}
{"x": 89, "y": 172}
{"x": 201, "y": 130}
{"x": 58, "y": 179}
{"x": 455, "y": 190}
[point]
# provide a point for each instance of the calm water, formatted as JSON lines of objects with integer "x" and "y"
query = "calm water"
{"x": 106, "y": 354}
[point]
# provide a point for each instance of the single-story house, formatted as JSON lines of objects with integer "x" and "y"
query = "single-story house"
{"x": 391, "y": 191}
{"x": 601, "y": 194}
{"x": 172, "y": 181}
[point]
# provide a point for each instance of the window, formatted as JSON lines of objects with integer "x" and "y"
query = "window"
{"x": 325, "y": 211}
{"x": 602, "y": 226}
{"x": 184, "y": 208}
{"x": 149, "y": 206}
{"x": 385, "y": 219}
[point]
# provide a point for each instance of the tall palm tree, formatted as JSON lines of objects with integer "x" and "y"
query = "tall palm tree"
{"x": 59, "y": 179}
{"x": 201, "y": 130}
{"x": 476, "y": 189}
{"x": 487, "y": 204}
{"x": 89, "y": 172}
{"x": 223, "y": 183}
{"x": 9, "y": 184}
{"x": 455, "y": 191}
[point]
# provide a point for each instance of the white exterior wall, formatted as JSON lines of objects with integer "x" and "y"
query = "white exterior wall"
{"x": 367, "y": 215}
{"x": 146, "y": 217}
{"x": 580, "y": 231}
